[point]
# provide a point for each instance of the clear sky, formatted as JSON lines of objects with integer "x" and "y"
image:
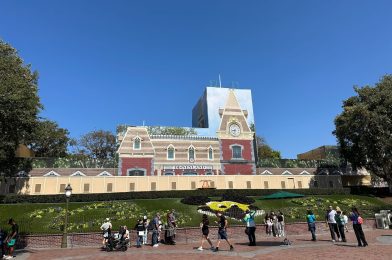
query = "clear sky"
{"x": 103, "y": 63}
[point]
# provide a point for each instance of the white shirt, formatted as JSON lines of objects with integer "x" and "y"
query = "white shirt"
{"x": 331, "y": 217}
{"x": 105, "y": 226}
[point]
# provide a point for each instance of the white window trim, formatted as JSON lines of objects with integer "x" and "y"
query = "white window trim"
{"x": 104, "y": 174}
{"x": 286, "y": 172}
{"x": 140, "y": 143}
{"x": 267, "y": 172}
{"x": 304, "y": 173}
{"x": 194, "y": 152}
{"x": 232, "y": 151}
{"x": 77, "y": 174}
{"x": 212, "y": 153}
{"x": 51, "y": 174}
{"x": 174, "y": 152}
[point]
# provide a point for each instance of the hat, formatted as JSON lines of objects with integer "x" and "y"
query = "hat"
{"x": 107, "y": 219}
{"x": 145, "y": 217}
{"x": 338, "y": 209}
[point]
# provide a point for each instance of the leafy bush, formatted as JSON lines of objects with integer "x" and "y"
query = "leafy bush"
{"x": 60, "y": 198}
{"x": 195, "y": 200}
{"x": 231, "y": 196}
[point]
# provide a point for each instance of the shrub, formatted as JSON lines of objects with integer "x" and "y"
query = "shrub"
{"x": 195, "y": 200}
{"x": 231, "y": 196}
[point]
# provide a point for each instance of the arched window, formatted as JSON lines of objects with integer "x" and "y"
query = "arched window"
{"x": 171, "y": 152}
{"x": 136, "y": 144}
{"x": 210, "y": 153}
{"x": 237, "y": 152}
{"x": 191, "y": 153}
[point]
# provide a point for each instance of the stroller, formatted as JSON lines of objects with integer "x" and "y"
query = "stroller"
{"x": 117, "y": 242}
{"x": 169, "y": 235}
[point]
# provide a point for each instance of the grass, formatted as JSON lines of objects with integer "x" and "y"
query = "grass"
{"x": 87, "y": 217}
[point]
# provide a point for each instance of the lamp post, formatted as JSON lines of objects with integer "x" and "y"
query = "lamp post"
{"x": 68, "y": 193}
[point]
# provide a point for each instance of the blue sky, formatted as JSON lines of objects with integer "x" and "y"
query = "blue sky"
{"x": 103, "y": 63}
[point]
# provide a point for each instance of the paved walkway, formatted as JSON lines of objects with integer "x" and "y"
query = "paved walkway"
{"x": 380, "y": 247}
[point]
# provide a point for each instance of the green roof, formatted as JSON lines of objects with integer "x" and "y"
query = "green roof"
{"x": 282, "y": 195}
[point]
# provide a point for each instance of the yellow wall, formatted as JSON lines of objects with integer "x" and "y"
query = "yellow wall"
{"x": 51, "y": 185}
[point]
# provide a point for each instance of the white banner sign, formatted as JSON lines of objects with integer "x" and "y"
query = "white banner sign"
{"x": 187, "y": 167}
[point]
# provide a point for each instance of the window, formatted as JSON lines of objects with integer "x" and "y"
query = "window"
{"x": 174, "y": 185}
{"x": 283, "y": 184}
{"x": 137, "y": 172}
{"x": 266, "y": 185}
{"x": 62, "y": 188}
{"x": 132, "y": 186}
{"x": 37, "y": 188}
{"x": 109, "y": 187}
{"x": 86, "y": 188}
{"x": 193, "y": 185}
{"x": 237, "y": 151}
{"x": 331, "y": 184}
{"x": 230, "y": 184}
{"x": 169, "y": 173}
{"x": 210, "y": 153}
{"x": 190, "y": 174}
{"x": 315, "y": 184}
{"x": 170, "y": 153}
{"x": 212, "y": 184}
{"x": 248, "y": 185}
{"x": 209, "y": 173}
{"x": 299, "y": 184}
{"x": 191, "y": 153}
{"x": 136, "y": 144}
{"x": 153, "y": 185}
{"x": 11, "y": 188}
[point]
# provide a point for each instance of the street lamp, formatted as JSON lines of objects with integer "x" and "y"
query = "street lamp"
{"x": 68, "y": 193}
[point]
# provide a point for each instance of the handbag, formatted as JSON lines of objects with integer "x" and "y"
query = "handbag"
{"x": 360, "y": 220}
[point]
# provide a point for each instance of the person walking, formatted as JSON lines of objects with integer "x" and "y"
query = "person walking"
{"x": 249, "y": 219}
{"x": 357, "y": 226}
{"x": 222, "y": 231}
{"x": 340, "y": 222}
{"x": 106, "y": 228}
{"x": 311, "y": 220}
{"x": 331, "y": 222}
{"x": 12, "y": 238}
{"x": 204, "y": 225}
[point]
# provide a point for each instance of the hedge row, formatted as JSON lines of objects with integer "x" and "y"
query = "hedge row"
{"x": 9, "y": 199}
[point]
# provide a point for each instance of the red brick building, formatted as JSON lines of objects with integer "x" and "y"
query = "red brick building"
{"x": 229, "y": 152}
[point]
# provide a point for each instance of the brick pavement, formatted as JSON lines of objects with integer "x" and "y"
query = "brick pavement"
{"x": 380, "y": 247}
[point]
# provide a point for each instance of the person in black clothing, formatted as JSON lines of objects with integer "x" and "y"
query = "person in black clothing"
{"x": 2, "y": 244}
{"x": 140, "y": 228}
{"x": 12, "y": 238}
{"x": 222, "y": 226}
{"x": 204, "y": 225}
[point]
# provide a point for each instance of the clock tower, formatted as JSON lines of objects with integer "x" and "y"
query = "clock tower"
{"x": 236, "y": 139}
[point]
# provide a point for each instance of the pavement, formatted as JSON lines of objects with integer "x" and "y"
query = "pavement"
{"x": 380, "y": 247}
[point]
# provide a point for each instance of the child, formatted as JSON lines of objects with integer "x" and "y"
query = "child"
{"x": 139, "y": 227}
{"x": 269, "y": 226}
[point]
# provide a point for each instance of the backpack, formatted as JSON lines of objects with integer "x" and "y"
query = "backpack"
{"x": 151, "y": 225}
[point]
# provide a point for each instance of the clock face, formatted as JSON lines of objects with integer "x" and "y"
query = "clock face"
{"x": 235, "y": 130}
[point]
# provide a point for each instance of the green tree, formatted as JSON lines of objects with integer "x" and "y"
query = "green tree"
{"x": 19, "y": 107}
{"x": 159, "y": 130}
{"x": 264, "y": 151}
{"x": 364, "y": 129}
{"x": 98, "y": 146}
{"x": 49, "y": 140}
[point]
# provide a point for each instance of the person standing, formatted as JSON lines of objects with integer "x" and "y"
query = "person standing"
{"x": 204, "y": 225}
{"x": 145, "y": 223}
{"x": 357, "y": 226}
{"x": 331, "y": 222}
{"x": 249, "y": 219}
{"x": 280, "y": 224}
{"x": 222, "y": 231}
{"x": 106, "y": 228}
{"x": 274, "y": 220}
{"x": 2, "y": 244}
{"x": 171, "y": 222}
{"x": 12, "y": 238}
{"x": 155, "y": 230}
{"x": 340, "y": 222}
{"x": 311, "y": 220}
{"x": 140, "y": 228}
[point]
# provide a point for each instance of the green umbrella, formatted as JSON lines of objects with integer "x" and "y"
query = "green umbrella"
{"x": 282, "y": 195}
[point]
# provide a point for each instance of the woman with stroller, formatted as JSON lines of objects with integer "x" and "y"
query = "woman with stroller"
{"x": 204, "y": 225}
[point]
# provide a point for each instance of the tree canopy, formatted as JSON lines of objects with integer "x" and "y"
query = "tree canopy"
{"x": 160, "y": 130}
{"x": 364, "y": 129}
{"x": 19, "y": 107}
{"x": 264, "y": 151}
